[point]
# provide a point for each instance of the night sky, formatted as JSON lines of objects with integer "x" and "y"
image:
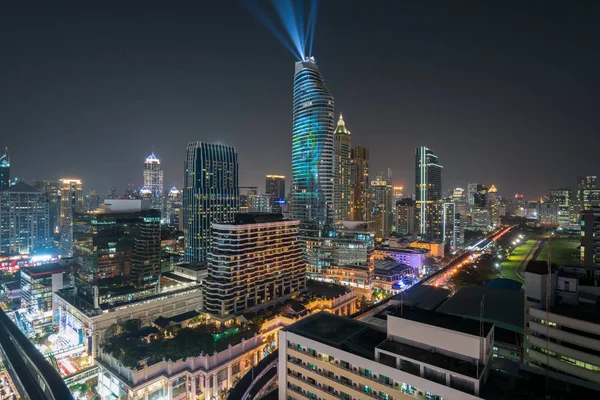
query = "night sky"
{"x": 504, "y": 92}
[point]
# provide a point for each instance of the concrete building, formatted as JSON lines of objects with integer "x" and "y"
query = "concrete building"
{"x": 416, "y": 353}
{"x": 381, "y": 203}
{"x": 414, "y": 257}
{"x": 388, "y": 276}
{"x": 253, "y": 262}
{"x": 174, "y": 208}
{"x": 24, "y": 220}
{"x": 51, "y": 190}
{"x": 562, "y": 322}
{"x": 38, "y": 285}
{"x": 71, "y": 202}
{"x": 153, "y": 180}
{"x": 563, "y": 198}
{"x": 436, "y": 249}
{"x": 549, "y": 215}
{"x": 590, "y": 238}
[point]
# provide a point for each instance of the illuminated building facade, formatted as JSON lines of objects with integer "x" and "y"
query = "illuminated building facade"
{"x": 381, "y": 202}
{"x": 254, "y": 261}
{"x": 71, "y": 202}
{"x": 51, "y": 190}
{"x": 153, "y": 180}
{"x": 562, "y": 198}
{"x": 174, "y": 208}
{"x": 342, "y": 172}
{"x": 406, "y": 217}
{"x": 449, "y": 225}
{"x": 493, "y": 204}
{"x": 116, "y": 249}
{"x": 460, "y": 201}
{"x": 275, "y": 187}
{"x": 4, "y": 170}
{"x": 312, "y": 150}
{"x": 23, "y": 220}
{"x": 428, "y": 192}
{"x": 359, "y": 195}
{"x": 210, "y": 194}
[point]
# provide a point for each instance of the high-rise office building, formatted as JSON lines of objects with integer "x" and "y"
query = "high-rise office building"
{"x": 359, "y": 193}
{"x": 255, "y": 260}
{"x": 449, "y": 234}
{"x": 153, "y": 180}
{"x": 590, "y": 238}
{"x": 428, "y": 190}
{"x": 51, "y": 190}
{"x": 23, "y": 220}
{"x": 381, "y": 203}
{"x": 406, "y": 217}
{"x": 275, "y": 185}
{"x": 562, "y": 197}
{"x": 471, "y": 191}
{"x": 174, "y": 207}
{"x": 115, "y": 247}
{"x": 247, "y": 194}
{"x": 312, "y": 150}
{"x": 210, "y": 194}
{"x": 4, "y": 170}
{"x": 275, "y": 188}
{"x": 587, "y": 182}
{"x": 71, "y": 202}
{"x": 460, "y": 201}
{"x": 343, "y": 171}
{"x": 493, "y": 204}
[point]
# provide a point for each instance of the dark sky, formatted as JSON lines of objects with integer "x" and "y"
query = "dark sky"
{"x": 505, "y": 92}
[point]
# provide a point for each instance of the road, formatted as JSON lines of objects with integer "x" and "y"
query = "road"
{"x": 442, "y": 277}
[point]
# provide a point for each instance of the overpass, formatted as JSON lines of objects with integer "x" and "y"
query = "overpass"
{"x": 31, "y": 374}
{"x": 257, "y": 380}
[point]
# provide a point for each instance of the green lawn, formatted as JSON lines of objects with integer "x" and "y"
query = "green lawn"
{"x": 508, "y": 268}
{"x": 565, "y": 252}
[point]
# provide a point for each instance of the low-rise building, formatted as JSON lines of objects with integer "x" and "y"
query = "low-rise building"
{"x": 195, "y": 272}
{"x": 389, "y": 275}
{"x": 419, "y": 353}
{"x": 37, "y": 287}
{"x": 436, "y": 249}
{"x": 415, "y": 257}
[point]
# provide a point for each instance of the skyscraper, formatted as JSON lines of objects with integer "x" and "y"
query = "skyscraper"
{"x": 4, "y": 170}
{"x": 210, "y": 194}
{"x": 381, "y": 201}
{"x": 493, "y": 204}
{"x": 23, "y": 220}
{"x": 562, "y": 197}
{"x": 471, "y": 190}
{"x": 275, "y": 188}
{"x": 312, "y": 150}
{"x": 174, "y": 207}
{"x": 359, "y": 193}
{"x": 51, "y": 190}
{"x": 405, "y": 217}
{"x": 342, "y": 172}
{"x": 71, "y": 201}
{"x": 153, "y": 180}
{"x": 428, "y": 190}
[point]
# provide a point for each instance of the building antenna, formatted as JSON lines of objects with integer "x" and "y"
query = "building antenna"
{"x": 548, "y": 289}
{"x": 481, "y": 332}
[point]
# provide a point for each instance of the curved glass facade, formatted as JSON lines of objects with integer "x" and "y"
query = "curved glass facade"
{"x": 312, "y": 150}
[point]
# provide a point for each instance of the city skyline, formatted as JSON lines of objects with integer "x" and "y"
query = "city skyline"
{"x": 147, "y": 91}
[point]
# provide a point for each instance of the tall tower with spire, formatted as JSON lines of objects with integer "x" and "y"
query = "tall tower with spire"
{"x": 153, "y": 181}
{"x": 342, "y": 171}
{"x": 4, "y": 170}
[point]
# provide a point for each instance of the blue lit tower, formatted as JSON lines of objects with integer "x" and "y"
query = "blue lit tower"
{"x": 210, "y": 194}
{"x": 312, "y": 150}
{"x": 4, "y": 170}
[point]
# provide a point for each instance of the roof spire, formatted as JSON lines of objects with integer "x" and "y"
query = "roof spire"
{"x": 341, "y": 126}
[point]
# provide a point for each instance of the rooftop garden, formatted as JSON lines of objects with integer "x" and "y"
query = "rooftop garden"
{"x": 135, "y": 346}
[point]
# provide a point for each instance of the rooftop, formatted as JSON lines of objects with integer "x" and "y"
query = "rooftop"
{"x": 45, "y": 269}
{"x": 502, "y": 307}
{"x": 425, "y": 355}
{"x": 20, "y": 187}
{"x": 341, "y": 332}
{"x": 441, "y": 320}
{"x": 386, "y": 266}
{"x": 257, "y": 218}
{"x": 538, "y": 267}
{"x": 193, "y": 266}
{"x": 424, "y": 296}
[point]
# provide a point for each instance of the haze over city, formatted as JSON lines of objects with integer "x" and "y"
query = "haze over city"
{"x": 506, "y": 94}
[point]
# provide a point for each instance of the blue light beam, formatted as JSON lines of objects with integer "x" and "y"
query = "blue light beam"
{"x": 286, "y": 11}
{"x": 259, "y": 13}
{"x": 312, "y": 22}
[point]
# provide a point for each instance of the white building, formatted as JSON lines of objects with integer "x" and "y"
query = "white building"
{"x": 421, "y": 354}
{"x": 153, "y": 180}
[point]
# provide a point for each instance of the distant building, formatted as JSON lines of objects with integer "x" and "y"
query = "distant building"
{"x": 116, "y": 248}
{"x": 548, "y": 215}
{"x": 493, "y": 204}
{"x": 51, "y": 190}
{"x": 153, "y": 180}
{"x": 342, "y": 171}
{"x": 449, "y": 225}
{"x": 4, "y": 170}
{"x": 471, "y": 192}
{"x": 275, "y": 187}
{"x": 174, "y": 204}
{"x": 359, "y": 206}
{"x": 405, "y": 217}
{"x": 262, "y": 203}
{"x": 24, "y": 218}
{"x": 563, "y": 198}
{"x": 459, "y": 200}
{"x": 247, "y": 194}
{"x": 71, "y": 202}
{"x": 210, "y": 194}
{"x": 436, "y": 249}
{"x": 590, "y": 238}
{"x": 428, "y": 189}
{"x": 381, "y": 203}
{"x": 254, "y": 261}
{"x": 480, "y": 218}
